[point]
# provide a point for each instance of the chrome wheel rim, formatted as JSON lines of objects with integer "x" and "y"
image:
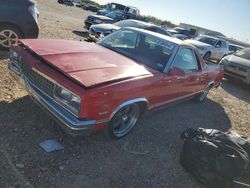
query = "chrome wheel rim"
{"x": 8, "y": 38}
{"x": 204, "y": 94}
{"x": 125, "y": 120}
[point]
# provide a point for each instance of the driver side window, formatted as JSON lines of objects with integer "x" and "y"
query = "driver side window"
{"x": 218, "y": 44}
{"x": 186, "y": 60}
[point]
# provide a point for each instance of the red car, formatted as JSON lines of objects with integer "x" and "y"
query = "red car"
{"x": 87, "y": 86}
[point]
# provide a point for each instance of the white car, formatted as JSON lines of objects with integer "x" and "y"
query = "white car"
{"x": 210, "y": 48}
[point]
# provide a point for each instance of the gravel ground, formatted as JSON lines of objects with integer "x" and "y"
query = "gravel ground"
{"x": 148, "y": 157}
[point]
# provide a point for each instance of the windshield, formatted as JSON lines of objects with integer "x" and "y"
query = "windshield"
{"x": 114, "y": 15}
{"x": 207, "y": 40}
{"x": 144, "y": 48}
{"x": 130, "y": 23}
{"x": 114, "y": 6}
{"x": 245, "y": 53}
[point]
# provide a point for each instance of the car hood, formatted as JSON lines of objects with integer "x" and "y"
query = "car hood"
{"x": 101, "y": 17}
{"x": 238, "y": 60}
{"x": 88, "y": 64}
{"x": 198, "y": 43}
{"x": 104, "y": 27}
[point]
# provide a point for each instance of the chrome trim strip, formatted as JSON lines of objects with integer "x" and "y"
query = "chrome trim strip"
{"x": 142, "y": 99}
{"x": 174, "y": 100}
{"x": 68, "y": 120}
{"x": 12, "y": 67}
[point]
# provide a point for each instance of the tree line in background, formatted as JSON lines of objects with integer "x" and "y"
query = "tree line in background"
{"x": 148, "y": 18}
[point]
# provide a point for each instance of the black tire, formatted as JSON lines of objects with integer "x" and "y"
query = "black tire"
{"x": 9, "y": 36}
{"x": 207, "y": 56}
{"x": 201, "y": 97}
{"x": 123, "y": 121}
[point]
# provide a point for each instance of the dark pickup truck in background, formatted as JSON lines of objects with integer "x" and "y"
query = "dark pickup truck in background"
{"x": 111, "y": 17}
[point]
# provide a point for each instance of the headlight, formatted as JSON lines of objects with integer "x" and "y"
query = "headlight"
{"x": 15, "y": 60}
{"x": 68, "y": 99}
{"x": 98, "y": 21}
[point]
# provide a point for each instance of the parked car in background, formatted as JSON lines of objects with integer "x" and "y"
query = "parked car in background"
{"x": 66, "y": 2}
{"x": 180, "y": 32}
{"x": 210, "y": 48}
{"x": 180, "y": 36}
{"x": 100, "y": 30}
{"x": 237, "y": 65}
{"x": 115, "y": 6}
{"x": 111, "y": 18}
{"x": 89, "y": 6}
{"x": 234, "y": 48}
{"x": 111, "y": 83}
{"x": 18, "y": 19}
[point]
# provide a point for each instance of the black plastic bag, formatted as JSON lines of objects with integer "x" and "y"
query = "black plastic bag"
{"x": 215, "y": 158}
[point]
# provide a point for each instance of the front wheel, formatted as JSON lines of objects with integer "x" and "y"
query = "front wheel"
{"x": 123, "y": 121}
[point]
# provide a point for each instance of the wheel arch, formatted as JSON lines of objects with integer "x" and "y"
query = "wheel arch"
{"x": 2, "y": 24}
{"x": 142, "y": 102}
{"x": 210, "y": 84}
{"x": 208, "y": 51}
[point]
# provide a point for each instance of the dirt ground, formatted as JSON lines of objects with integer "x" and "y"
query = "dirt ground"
{"x": 148, "y": 157}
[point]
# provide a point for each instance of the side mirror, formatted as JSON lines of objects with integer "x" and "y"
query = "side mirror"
{"x": 176, "y": 72}
{"x": 217, "y": 46}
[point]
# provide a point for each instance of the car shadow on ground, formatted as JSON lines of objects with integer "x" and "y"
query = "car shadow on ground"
{"x": 83, "y": 34}
{"x": 150, "y": 153}
{"x": 237, "y": 89}
{"x": 4, "y": 54}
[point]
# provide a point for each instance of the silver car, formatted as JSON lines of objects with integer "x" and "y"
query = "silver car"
{"x": 237, "y": 65}
{"x": 210, "y": 48}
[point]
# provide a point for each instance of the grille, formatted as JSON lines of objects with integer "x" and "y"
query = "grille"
{"x": 239, "y": 68}
{"x": 235, "y": 73}
{"x": 44, "y": 84}
{"x": 242, "y": 69}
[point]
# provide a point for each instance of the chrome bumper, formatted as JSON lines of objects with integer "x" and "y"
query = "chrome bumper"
{"x": 69, "y": 123}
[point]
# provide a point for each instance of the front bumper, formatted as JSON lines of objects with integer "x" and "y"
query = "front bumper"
{"x": 237, "y": 73}
{"x": 68, "y": 122}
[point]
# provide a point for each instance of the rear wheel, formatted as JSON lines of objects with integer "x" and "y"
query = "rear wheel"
{"x": 124, "y": 121}
{"x": 203, "y": 95}
{"x": 9, "y": 35}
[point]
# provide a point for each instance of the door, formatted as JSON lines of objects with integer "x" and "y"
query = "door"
{"x": 218, "y": 50}
{"x": 183, "y": 78}
{"x": 188, "y": 83}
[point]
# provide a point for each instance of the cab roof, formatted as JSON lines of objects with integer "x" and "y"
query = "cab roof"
{"x": 165, "y": 37}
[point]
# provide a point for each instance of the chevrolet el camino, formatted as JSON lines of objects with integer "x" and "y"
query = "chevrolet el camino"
{"x": 87, "y": 86}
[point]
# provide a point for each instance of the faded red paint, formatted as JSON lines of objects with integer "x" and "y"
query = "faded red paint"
{"x": 104, "y": 79}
